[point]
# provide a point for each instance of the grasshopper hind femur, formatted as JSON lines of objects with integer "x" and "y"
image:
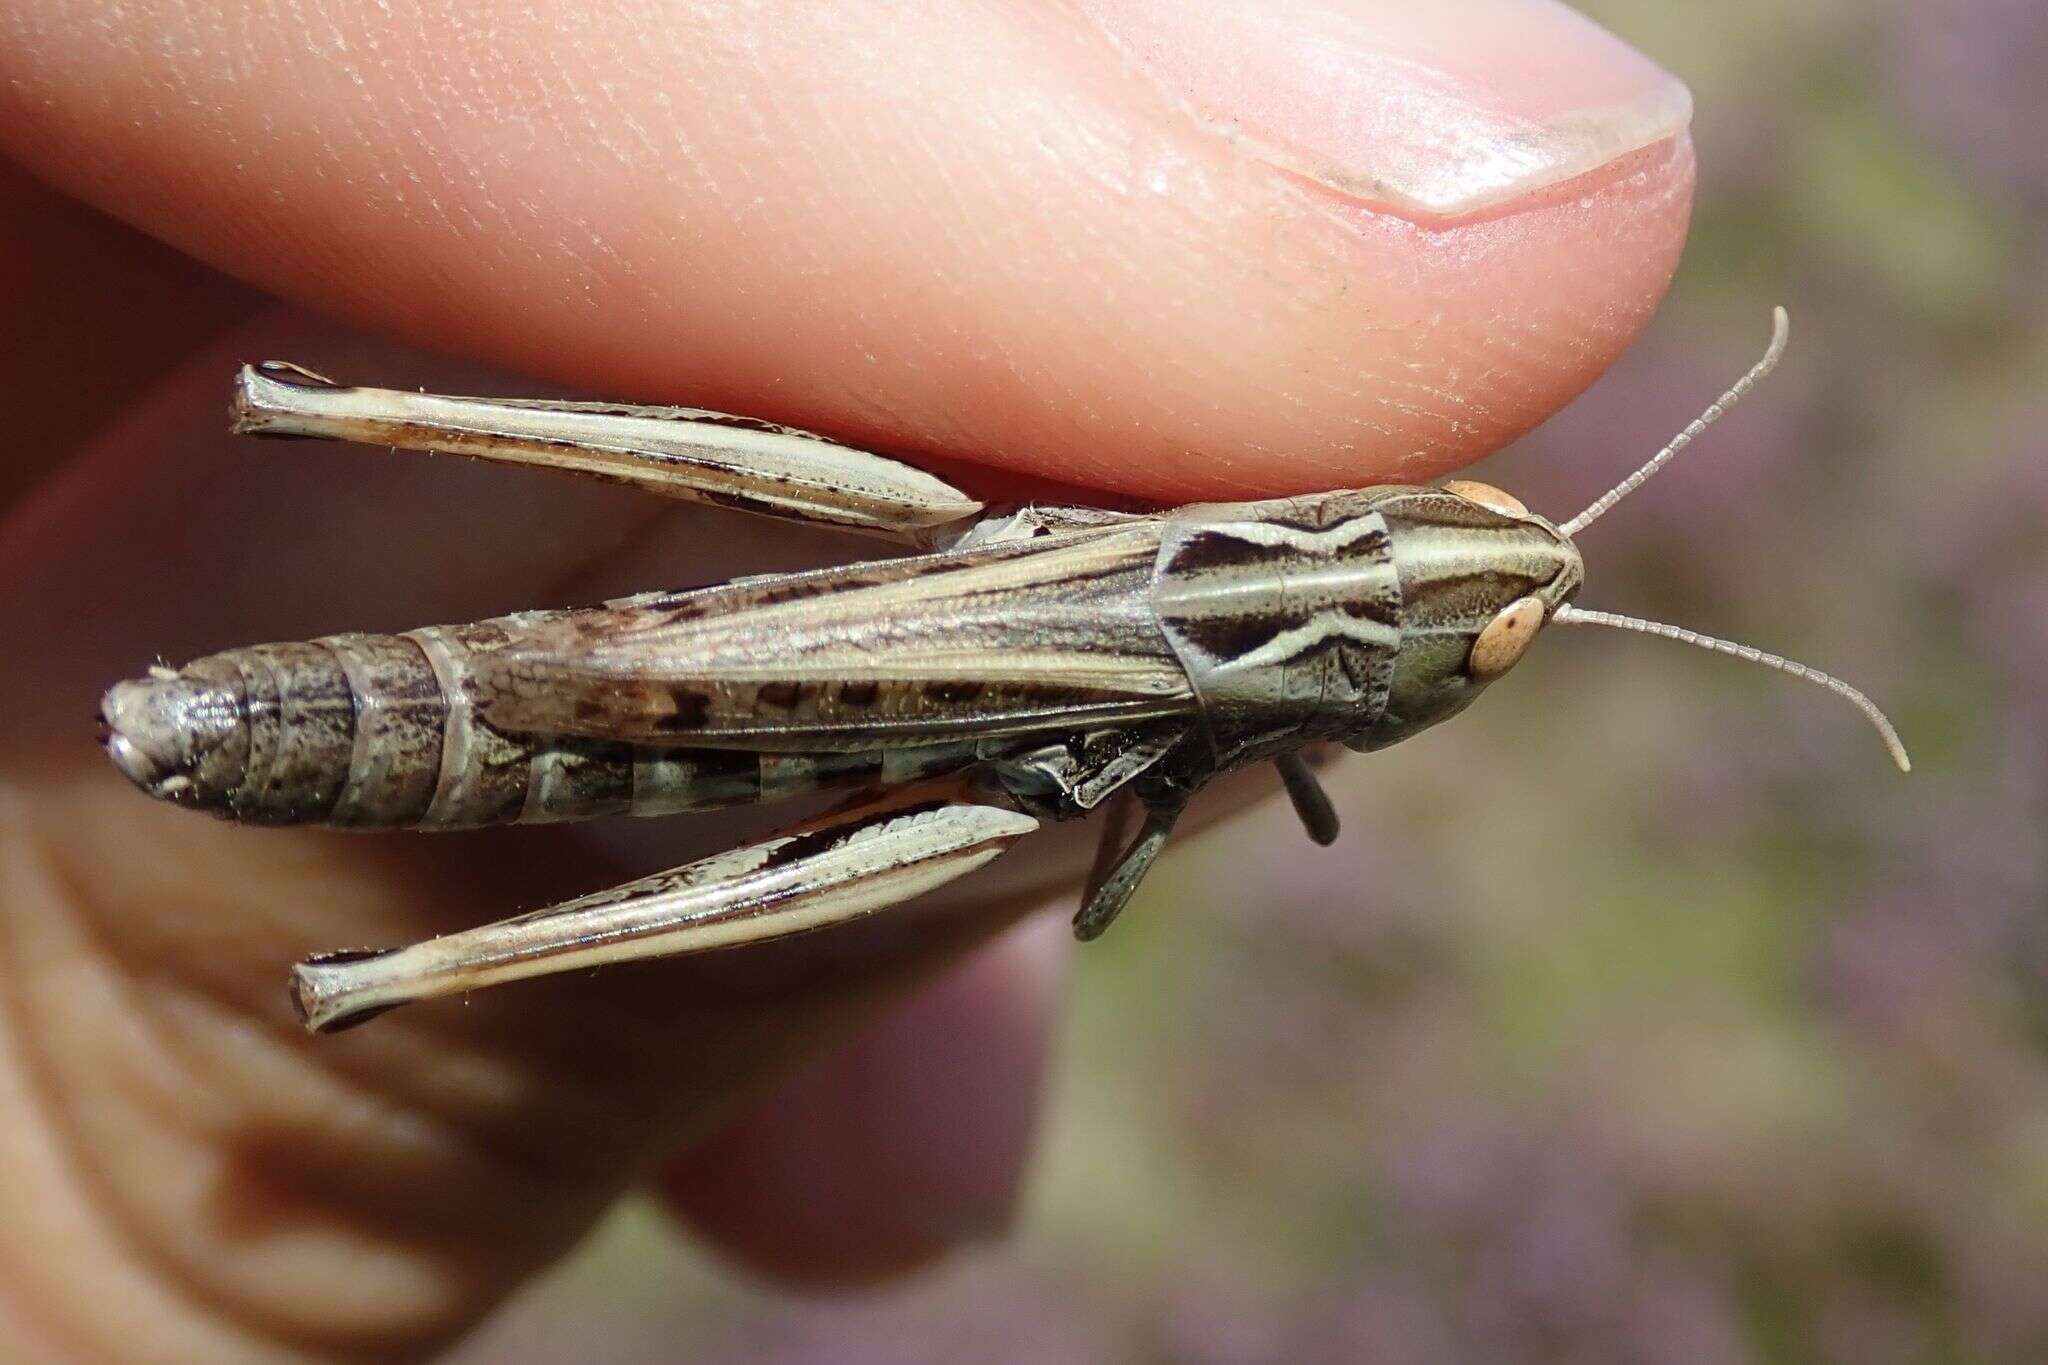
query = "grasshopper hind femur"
{"x": 1040, "y": 664}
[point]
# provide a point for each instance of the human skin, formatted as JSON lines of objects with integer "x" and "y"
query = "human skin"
{"x": 1162, "y": 251}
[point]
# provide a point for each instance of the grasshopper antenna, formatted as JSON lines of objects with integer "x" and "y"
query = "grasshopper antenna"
{"x": 1781, "y": 325}
{"x": 1579, "y": 616}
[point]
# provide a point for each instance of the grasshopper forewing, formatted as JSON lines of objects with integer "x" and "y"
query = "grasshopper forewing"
{"x": 1016, "y": 667}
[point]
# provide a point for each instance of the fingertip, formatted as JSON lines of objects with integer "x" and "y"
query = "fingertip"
{"x": 1172, "y": 251}
{"x": 907, "y": 1143}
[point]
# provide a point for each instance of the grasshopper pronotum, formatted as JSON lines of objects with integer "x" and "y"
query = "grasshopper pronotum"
{"x": 1026, "y": 666}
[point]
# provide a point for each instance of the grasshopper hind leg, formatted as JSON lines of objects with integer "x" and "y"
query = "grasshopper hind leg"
{"x": 847, "y": 865}
{"x": 684, "y": 453}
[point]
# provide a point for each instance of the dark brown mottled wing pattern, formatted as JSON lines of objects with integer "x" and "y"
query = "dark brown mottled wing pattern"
{"x": 1051, "y": 633}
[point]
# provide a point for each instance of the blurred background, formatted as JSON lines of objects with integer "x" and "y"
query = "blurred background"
{"x": 1644, "y": 1014}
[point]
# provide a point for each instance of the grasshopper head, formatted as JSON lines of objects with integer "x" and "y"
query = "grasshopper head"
{"x": 1480, "y": 576}
{"x": 1468, "y": 619}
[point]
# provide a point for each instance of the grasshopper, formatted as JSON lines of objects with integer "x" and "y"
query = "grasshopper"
{"x": 1036, "y": 664}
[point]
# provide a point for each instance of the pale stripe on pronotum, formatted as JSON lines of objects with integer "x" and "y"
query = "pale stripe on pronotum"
{"x": 1032, "y": 665}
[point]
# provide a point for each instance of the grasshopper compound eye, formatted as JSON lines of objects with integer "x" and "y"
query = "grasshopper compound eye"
{"x": 1486, "y": 495}
{"x": 1505, "y": 639}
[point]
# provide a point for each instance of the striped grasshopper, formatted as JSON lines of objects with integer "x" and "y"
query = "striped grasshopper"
{"x": 1033, "y": 665}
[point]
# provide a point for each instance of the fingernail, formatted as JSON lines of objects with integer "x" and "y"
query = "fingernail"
{"x": 1425, "y": 110}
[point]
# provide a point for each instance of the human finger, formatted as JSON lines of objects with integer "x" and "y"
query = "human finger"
{"x": 1173, "y": 250}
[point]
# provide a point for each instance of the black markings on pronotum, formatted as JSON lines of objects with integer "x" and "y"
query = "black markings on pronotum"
{"x": 1031, "y": 665}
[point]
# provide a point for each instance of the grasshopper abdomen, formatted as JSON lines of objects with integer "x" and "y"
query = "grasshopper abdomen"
{"x": 387, "y": 732}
